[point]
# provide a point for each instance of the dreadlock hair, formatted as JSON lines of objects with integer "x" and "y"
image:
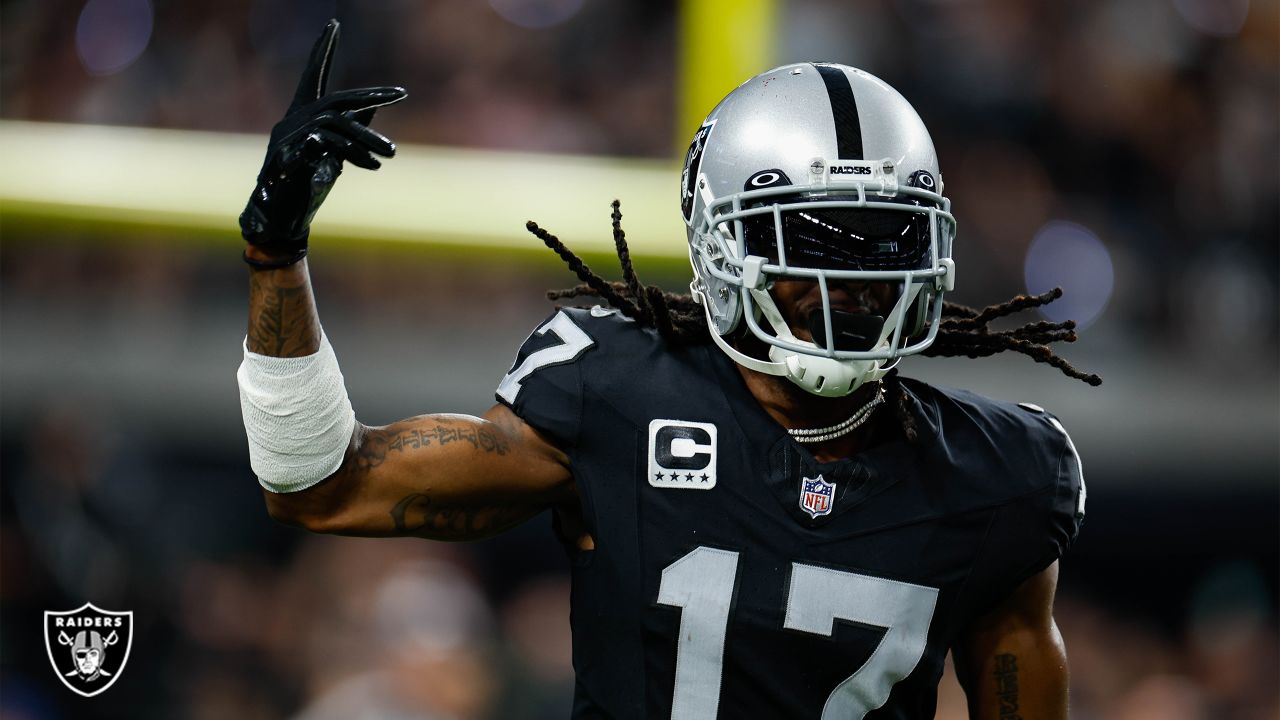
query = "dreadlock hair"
{"x": 962, "y": 330}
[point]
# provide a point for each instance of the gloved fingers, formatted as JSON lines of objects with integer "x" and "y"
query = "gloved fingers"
{"x": 364, "y": 117}
{"x": 315, "y": 78}
{"x": 360, "y": 158}
{"x": 339, "y": 126}
{"x": 358, "y": 99}
{"x": 336, "y": 145}
{"x": 362, "y": 135}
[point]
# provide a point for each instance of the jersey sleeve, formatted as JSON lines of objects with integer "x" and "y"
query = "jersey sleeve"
{"x": 1029, "y": 533}
{"x": 544, "y": 385}
{"x": 1062, "y": 508}
{"x": 1069, "y": 501}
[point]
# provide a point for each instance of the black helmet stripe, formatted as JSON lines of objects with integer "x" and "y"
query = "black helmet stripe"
{"x": 845, "y": 111}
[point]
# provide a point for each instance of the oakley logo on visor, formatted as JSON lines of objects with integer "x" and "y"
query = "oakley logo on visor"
{"x": 767, "y": 179}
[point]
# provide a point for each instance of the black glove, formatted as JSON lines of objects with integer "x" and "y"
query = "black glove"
{"x": 305, "y": 154}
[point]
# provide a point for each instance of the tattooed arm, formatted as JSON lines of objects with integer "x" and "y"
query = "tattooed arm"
{"x": 282, "y": 310}
{"x": 1012, "y": 663}
{"x": 446, "y": 477}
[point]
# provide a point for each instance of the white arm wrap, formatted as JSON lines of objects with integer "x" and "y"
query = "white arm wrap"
{"x": 297, "y": 416}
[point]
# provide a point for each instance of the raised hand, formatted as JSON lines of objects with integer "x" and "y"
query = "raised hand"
{"x": 305, "y": 155}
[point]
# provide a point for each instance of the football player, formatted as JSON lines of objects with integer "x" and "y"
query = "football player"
{"x": 765, "y": 520}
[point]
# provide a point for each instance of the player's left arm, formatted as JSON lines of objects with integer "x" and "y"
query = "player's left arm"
{"x": 1012, "y": 662}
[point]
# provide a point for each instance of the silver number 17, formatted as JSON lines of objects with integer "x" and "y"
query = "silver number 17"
{"x": 701, "y": 585}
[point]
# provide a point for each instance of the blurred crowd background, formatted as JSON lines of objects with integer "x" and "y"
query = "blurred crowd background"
{"x": 1126, "y": 150}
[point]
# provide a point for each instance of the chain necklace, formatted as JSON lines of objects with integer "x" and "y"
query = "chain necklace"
{"x": 860, "y": 416}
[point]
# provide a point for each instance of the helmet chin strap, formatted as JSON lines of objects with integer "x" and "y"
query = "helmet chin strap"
{"x": 824, "y": 376}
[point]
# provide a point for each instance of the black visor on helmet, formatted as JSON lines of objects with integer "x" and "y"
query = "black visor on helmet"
{"x": 843, "y": 238}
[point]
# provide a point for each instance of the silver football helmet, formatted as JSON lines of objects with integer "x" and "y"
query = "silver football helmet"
{"x": 818, "y": 172}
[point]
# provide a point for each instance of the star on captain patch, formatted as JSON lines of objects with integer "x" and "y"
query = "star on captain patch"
{"x": 817, "y": 496}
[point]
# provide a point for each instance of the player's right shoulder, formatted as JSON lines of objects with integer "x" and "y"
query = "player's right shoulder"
{"x": 572, "y": 348}
{"x": 573, "y": 336}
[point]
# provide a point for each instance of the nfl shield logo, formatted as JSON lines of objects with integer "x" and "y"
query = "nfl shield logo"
{"x": 816, "y": 496}
{"x": 88, "y": 646}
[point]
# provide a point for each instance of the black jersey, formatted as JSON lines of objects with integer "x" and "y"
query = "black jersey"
{"x": 734, "y": 576}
